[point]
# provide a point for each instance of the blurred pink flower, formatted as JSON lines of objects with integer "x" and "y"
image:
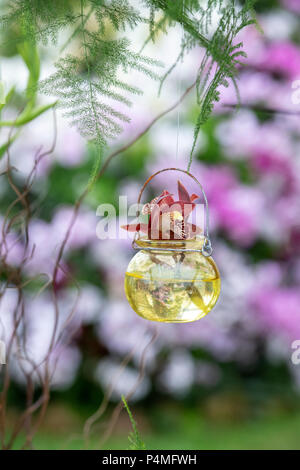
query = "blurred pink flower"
{"x": 122, "y": 331}
{"x": 11, "y": 248}
{"x": 83, "y": 230}
{"x": 242, "y": 135}
{"x": 282, "y": 57}
{"x": 287, "y": 210}
{"x": 238, "y": 134}
{"x": 70, "y": 148}
{"x": 296, "y": 271}
{"x": 36, "y": 329}
{"x": 235, "y": 208}
{"x": 112, "y": 257}
{"x": 239, "y": 213}
{"x": 121, "y": 380}
{"x": 179, "y": 373}
{"x": 293, "y": 5}
{"x": 46, "y": 238}
{"x": 266, "y": 162}
{"x": 279, "y": 310}
{"x": 269, "y": 274}
{"x": 138, "y": 121}
{"x": 8, "y": 307}
{"x": 254, "y": 87}
{"x": 253, "y": 45}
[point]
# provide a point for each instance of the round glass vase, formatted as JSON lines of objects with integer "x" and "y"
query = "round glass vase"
{"x": 172, "y": 286}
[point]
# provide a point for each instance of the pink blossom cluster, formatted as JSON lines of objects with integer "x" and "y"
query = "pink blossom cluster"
{"x": 259, "y": 298}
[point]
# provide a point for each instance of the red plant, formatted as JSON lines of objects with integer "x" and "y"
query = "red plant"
{"x": 167, "y": 217}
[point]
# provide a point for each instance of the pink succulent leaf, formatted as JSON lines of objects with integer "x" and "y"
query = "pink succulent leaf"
{"x": 136, "y": 227}
{"x": 165, "y": 198}
{"x": 146, "y": 209}
{"x": 192, "y": 229}
{"x": 153, "y": 224}
{"x": 168, "y": 218}
{"x": 197, "y": 200}
{"x": 183, "y": 194}
{"x": 184, "y": 208}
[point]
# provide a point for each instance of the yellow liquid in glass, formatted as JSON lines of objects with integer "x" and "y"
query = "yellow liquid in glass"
{"x": 171, "y": 300}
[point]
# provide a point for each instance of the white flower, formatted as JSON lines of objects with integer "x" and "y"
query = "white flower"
{"x": 121, "y": 380}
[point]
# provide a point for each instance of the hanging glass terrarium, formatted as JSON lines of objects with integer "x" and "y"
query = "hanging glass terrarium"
{"x": 173, "y": 277}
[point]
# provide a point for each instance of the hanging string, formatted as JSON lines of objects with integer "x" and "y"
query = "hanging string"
{"x": 179, "y": 83}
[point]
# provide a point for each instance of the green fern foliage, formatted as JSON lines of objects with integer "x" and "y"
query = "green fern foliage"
{"x": 221, "y": 61}
{"x": 222, "y": 55}
{"x": 120, "y": 13}
{"x": 39, "y": 20}
{"x": 135, "y": 440}
{"x": 86, "y": 86}
{"x": 88, "y": 83}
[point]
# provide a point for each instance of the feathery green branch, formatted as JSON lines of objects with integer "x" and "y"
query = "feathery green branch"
{"x": 88, "y": 86}
{"x": 135, "y": 440}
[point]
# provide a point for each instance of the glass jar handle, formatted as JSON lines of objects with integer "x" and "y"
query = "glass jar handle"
{"x": 206, "y": 247}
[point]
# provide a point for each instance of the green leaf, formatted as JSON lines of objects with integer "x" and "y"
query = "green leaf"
{"x": 7, "y": 98}
{"x": 27, "y": 117}
{"x": 4, "y": 147}
{"x": 135, "y": 440}
{"x": 2, "y": 93}
{"x": 29, "y": 54}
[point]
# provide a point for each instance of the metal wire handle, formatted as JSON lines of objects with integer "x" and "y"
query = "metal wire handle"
{"x": 206, "y": 248}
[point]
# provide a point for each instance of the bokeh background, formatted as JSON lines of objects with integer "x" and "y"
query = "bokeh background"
{"x": 227, "y": 381}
